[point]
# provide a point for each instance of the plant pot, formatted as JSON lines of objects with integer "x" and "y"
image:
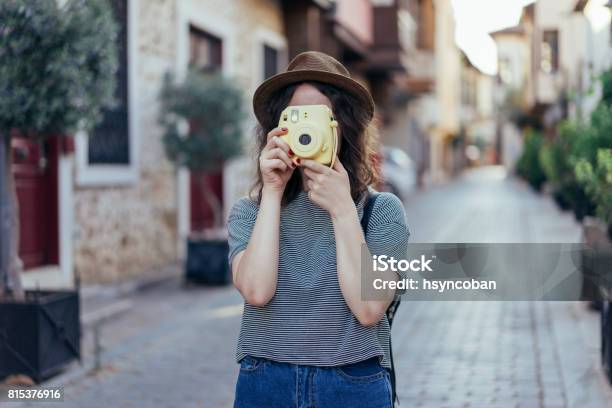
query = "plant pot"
{"x": 596, "y": 264}
{"x": 39, "y": 335}
{"x": 207, "y": 261}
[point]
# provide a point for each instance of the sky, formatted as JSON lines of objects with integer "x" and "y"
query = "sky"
{"x": 475, "y": 19}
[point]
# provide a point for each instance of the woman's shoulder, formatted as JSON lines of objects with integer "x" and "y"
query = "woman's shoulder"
{"x": 245, "y": 207}
{"x": 388, "y": 208}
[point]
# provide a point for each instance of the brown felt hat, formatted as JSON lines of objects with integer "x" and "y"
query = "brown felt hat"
{"x": 312, "y": 66}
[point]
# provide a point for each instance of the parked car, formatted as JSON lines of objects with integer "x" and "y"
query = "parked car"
{"x": 399, "y": 175}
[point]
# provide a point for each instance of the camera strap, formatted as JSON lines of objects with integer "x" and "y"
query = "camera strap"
{"x": 334, "y": 126}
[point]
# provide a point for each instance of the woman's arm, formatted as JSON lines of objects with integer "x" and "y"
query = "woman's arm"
{"x": 255, "y": 269}
{"x": 330, "y": 189}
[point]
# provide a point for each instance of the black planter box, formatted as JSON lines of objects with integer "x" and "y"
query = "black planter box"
{"x": 41, "y": 335}
{"x": 207, "y": 262}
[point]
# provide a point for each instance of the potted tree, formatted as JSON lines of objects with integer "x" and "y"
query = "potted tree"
{"x": 203, "y": 119}
{"x": 57, "y": 74}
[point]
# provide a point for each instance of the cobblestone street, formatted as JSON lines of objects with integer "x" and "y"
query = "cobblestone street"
{"x": 175, "y": 347}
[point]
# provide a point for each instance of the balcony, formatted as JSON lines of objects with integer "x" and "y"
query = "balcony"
{"x": 392, "y": 32}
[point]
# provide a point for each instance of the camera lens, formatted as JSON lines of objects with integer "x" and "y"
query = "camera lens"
{"x": 304, "y": 139}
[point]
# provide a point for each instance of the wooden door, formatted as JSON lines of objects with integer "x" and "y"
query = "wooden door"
{"x": 202, "y": 216}
{"x": 35, "y": 167}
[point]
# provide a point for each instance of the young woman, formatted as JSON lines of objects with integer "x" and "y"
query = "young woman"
{"x": 307, "y": 338}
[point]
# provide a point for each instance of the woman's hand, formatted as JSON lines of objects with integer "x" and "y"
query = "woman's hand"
{"x": 329, "y": 188}
{"x": 275, "y": 162}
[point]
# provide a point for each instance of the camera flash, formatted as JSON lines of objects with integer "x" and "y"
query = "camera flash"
{"x": 295, "y": 115}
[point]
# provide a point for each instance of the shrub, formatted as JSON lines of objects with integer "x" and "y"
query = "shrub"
{"x": 599, "y": 134}
{"x": 606, "y": 82}
{"x": 597, "y": 180}
{"x": 557, "y": 158}
{"x": 528, "y": 165}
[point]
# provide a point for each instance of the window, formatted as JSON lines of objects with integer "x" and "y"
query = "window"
{"x": 270, "y": 61}
{"x": 205, "y": 51}
{"x": 549, "y": 62}
{"x": 268, "y": 53}
{"x": 109, "y": 141}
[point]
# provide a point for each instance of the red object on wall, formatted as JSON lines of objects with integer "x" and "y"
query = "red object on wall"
{"x": 202, "y": 216}
{"x": 35, "y": 169}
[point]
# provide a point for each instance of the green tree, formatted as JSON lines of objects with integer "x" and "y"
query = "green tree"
{"x": 57, "y": 75}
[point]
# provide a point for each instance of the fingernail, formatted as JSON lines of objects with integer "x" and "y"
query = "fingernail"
{"x": 291, "y": 153}
{"x": 284, "y": 129}
{"x": 298, "y": 160}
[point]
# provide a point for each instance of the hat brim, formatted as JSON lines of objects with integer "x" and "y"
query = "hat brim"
{"x": 264, "y": 92}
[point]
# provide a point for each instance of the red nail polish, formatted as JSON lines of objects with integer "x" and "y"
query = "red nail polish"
{"x": 284, "y": 129}
{"x": 291, "y": 153}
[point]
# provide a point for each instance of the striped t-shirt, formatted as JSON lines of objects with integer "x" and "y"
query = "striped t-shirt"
{"x": 307, "y": 321}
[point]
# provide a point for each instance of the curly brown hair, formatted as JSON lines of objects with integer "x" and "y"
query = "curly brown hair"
{"x": 359, "y": 139}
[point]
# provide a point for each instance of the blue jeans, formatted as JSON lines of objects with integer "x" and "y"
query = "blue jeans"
{"x": 264, "y": 383}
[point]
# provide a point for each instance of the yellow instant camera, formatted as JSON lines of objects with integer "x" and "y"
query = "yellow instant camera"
{"x": 312, "y": 132}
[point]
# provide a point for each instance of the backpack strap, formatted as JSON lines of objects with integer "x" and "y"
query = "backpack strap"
{"x": 367, "y": 210}
{"x": 365, "y": 219}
